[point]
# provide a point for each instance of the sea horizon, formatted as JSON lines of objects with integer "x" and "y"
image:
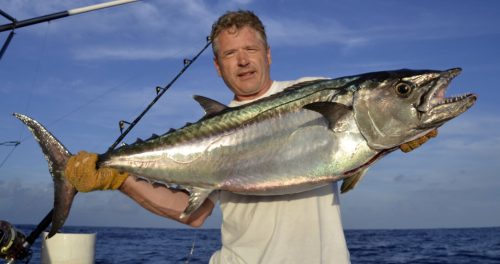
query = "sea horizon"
{"x": 216, "y": 228}
{"x": 366, "y": 246}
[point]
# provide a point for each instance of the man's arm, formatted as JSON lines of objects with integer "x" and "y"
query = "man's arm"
{"x": 165, "y": 202}
{"x": 82, "y": 173}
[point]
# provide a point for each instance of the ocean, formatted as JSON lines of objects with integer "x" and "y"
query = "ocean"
{"x": 153, "y": 245}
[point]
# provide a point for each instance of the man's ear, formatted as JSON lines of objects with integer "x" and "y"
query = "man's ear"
{"x": 269, "y": 55}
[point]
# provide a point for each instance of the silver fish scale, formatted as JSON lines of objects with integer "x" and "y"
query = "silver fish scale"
{"x": 281, "y": 145}
{"x": 282, "y": 155}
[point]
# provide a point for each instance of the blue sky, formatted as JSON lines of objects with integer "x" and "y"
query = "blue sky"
{"x": 80, "y": 75}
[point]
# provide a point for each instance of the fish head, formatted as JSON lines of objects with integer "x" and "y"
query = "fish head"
{"x": 395, "y": 107}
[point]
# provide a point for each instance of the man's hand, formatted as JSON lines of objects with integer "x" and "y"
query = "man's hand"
{"x": 409, "y": 146}
{"x": 81, "y": 172}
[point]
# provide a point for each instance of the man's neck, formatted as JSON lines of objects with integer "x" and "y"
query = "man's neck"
{"x": 243, "y": 98}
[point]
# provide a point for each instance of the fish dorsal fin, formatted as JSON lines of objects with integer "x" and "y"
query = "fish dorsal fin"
{"x": 351, "y": 182}
{"x": 153, "y": 136}
{"x": 210, "y": 106}
{"x": 333, "y": 112}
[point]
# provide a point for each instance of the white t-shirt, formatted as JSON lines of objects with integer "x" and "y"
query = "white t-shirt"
{"x": 297, "y": 228}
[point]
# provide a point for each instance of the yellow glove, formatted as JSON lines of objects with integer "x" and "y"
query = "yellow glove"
{"x": 81, "y": 172}
{"x": 409, "y": 146}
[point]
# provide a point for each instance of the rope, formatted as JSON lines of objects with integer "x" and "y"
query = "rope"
{"x": 37, "y": 72}
{"x": 28, "y": 101}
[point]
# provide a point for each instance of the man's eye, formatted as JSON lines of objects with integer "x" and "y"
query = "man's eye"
{"x": 229, "y": 54}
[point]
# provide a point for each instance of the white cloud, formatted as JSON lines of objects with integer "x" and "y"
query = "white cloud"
{"x": 129, "y": 53}
{"x": 302, "y": 32}
{"x": 142, "y": 30}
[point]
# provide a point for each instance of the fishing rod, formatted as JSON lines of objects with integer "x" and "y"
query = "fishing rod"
{"x": 159, "y": 92}
{"x": 10, "y": 143}
{"x": 13, "y": 244}
{"x": 15, "y": 24}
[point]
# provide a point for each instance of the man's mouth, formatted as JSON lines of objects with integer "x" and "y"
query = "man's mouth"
{"x": 246, "y": 74}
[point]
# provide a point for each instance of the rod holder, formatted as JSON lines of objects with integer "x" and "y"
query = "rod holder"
{"x": 122, "y": 124}
{"x": 187, "y": 62}
{"x": 159, "y": 89}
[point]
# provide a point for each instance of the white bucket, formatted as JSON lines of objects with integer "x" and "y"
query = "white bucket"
{"x": 68, "y": 248}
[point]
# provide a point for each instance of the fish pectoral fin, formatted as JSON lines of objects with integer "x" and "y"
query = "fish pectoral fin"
{"x": 210, "y": 106}
{"x": 197, "y": 196}
{"x": 333, "y": 112}
{"x": 351, "y": 182}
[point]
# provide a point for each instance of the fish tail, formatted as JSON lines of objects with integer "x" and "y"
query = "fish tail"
{"x": 57, "y": 155}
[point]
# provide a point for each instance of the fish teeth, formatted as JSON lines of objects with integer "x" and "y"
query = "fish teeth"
{"x": 453, "y": 99}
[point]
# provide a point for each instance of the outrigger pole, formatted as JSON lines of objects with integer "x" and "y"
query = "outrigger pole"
{"x": 15, "y": 24}
{"x": 28, "y": 22}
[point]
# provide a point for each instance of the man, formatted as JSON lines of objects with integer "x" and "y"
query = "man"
{"x": 297, "y": 228}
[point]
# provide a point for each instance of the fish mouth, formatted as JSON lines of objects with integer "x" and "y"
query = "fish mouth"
{"x": 435, "y": 108}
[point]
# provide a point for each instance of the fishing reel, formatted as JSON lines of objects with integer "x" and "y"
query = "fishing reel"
{"x": 13, "y": 244}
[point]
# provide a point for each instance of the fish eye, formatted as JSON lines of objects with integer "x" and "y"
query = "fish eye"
{"x": 403, "y": 89}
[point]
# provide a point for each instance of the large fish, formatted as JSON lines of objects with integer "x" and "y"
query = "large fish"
{"x": 308, "y": 135}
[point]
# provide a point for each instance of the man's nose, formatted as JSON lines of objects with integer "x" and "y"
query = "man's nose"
{"x": 242, "y": 59}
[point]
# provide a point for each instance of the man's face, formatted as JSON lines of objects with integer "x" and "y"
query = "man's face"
{"x": 243, "y": 61}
